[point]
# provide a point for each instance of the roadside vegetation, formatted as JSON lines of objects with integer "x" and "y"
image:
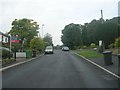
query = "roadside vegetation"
{"x": 25, "y": 31}
{"x": 90, "y": 54}
{"x": 77, "y": 36}
{"x": 8, "y": 61}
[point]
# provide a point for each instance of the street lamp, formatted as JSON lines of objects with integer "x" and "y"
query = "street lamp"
{"x": 10, "y": 41}
{"x": 42, "y": 29}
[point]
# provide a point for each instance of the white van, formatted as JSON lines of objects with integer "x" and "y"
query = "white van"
{"x": 49, "y": 49}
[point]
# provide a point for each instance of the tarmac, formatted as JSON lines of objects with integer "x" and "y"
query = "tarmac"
{"x": 115, "y": 67}
{"x": 18, "y": 62}
{"x": 112, "y": 67}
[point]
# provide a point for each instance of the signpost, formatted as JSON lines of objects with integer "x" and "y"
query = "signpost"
{"x": 100, "y": 43}
{"x": 101, "y": 46}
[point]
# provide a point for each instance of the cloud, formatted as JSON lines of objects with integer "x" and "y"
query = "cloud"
{"x": 55, "y": 14}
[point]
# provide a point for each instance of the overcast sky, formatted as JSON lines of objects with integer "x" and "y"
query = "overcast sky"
{"x": 55, "y": 14}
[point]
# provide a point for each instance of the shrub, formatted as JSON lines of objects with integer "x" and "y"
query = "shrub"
{"x": 84, "y": 47}
{"x": 7, "y": 61}
{"x": 92, "y": 45}
{"x": 76, "y": 47}
{"x": 37, "y": 44}
{"x": 5, "y": 52}
{"x": 117, "y": 42}
{"x": 111, "y": 45}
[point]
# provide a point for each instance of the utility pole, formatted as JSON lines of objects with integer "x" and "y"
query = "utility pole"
{"x": 42, "y": 30}
{"x": 42, "y": 37}
{"x": 101, "y": 42}
{"x": 102, "y": 16}
{"x": 10, "y": 41}
{"x": 10, "y": 45}
{"x": 102, "y": 20}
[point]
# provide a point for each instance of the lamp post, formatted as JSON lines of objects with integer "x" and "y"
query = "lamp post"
{"x": 10, "y": 41}
{"x": 42, "y": 30}
{"x": 42, "y": 37}
{"x": 15, "y": 48}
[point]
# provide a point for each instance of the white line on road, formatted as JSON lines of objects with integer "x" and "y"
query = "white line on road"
{"x": 99, "y": 66}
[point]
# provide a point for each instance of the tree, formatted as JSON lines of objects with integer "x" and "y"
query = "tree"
{"x": 107, "y": 32}
{"x": 85, "y": 38}
{"x": 37, "y": 44}
{"x": 26, "y": 29}
{"x": 71, "y": 35}
{"x": 48, "y": 39}
{"x": 89, "y": 31}
{"x": 95, "y": 30}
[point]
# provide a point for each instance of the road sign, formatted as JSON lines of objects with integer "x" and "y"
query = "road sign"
{"x": 100, "y": 43}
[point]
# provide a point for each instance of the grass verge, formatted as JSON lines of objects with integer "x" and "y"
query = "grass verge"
{"x": 90, "y": 54}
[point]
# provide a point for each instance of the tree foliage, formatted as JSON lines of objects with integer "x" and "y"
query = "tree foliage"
{"x": 37, "y": 44}
{"x": 48, "y": 39}
{"x": 92, "y": 32}
{"x": 96, "y": 30}
{"x": 26, "y": 29}
{"x": 72, "y": 35}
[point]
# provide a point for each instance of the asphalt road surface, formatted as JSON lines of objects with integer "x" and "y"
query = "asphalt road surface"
{"x": 58, "y": 70}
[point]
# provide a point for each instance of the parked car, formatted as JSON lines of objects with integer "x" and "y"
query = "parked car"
{"x": 65, "y": 48}
{"x": 49, "y": 49}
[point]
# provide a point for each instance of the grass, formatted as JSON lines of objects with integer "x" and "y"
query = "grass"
{"x": 90, "y": 54}
{"x": 115, "y": 51}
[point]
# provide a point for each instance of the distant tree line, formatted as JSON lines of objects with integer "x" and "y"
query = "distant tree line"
{"x": 77, "y": 35}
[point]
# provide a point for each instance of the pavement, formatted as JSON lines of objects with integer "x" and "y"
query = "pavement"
{"x": 115, "y": 67}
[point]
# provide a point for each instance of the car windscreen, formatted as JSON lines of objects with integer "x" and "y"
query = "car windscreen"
{"x": 49, "y": 47}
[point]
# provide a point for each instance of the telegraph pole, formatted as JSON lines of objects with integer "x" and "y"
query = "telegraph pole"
{"x": 102, "y": 23}
{"x": 102, "y": 16}
{"x": 42, "y": 30}
{"x": 101, "y": 42}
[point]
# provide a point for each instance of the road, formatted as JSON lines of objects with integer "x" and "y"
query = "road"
{"x": 58, "y": 70}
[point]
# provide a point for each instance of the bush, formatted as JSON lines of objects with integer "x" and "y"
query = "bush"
{"x": 84, "y": 47}
{"x": 117, "y": 42}
{"x": 92, "y": 45}
{"x": 37, "y": 44}
{"x": 111, "y": 45}
{"x": 7, "y": 61}
{"x": 76, "y": 47}
{"x": 5, "y": 52}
